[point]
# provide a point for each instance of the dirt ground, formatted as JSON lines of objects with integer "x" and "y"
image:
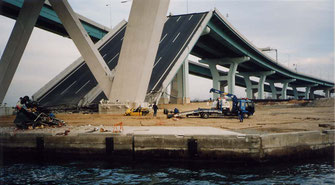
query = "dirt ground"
{"x": 269, "y": 117}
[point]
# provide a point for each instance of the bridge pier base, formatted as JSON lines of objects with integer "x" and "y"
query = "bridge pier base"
{"x": 230, "y": 78}
{"x": 17, "y": 43}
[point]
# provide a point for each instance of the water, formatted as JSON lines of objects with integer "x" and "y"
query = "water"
{"x": 104, "y": 172}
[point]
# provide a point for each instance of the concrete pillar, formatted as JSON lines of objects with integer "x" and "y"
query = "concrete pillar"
{"x": 284, "y": 91}
{"x": 165, "y": 97}
{"x": 230, "y": 78}
{"x": 254, "y": 91}
{"x": 138, "y": 52}
{"x": 248, "y": 86}
{"x": 260, "y": 87}
{"x": 295, "y": 92}
{"x": 327, "y": 93}
{"x": 273, "y": 90}
{"x": 311, "y": 94}
{"x": 84, "y": 44}
{"x": 186, "y": 95}
{"x": 216, "y": 78}
{"x": 17, "y": 43}
{"x": 179, "y": 86}
{"x": 307, "y": 92}
{"x": 223, "y": 84}
{"x": 262, "y": 79}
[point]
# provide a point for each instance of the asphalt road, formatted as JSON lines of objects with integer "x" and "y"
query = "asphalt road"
{"x": 176, "y": 34}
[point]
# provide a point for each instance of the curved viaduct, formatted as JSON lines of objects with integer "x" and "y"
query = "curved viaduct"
{"x": 205, "y": 35}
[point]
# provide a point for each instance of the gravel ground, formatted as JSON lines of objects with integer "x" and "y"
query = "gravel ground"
{"x": 269, "y": 118}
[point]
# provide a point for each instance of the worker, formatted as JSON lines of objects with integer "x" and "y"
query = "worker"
{"x": 155, "y": 107}
{"x": 240, "y": 115}
{"x": 176, "y": 111}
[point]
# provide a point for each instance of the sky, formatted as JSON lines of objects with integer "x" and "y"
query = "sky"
{"x": 302, "y": 31}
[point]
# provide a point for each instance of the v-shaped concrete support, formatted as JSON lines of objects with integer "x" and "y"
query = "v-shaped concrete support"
{"x": 84, "y": 44}
{"x": 17, "y": 43}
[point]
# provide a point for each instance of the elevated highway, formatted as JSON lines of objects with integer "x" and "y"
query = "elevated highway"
{"x": 206, "y": 35}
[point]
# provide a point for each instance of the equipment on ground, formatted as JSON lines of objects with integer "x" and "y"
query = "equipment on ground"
{"x": 243, "y": 108}
{"x": 140, "y": 111}
{"x": 30, "y": 115}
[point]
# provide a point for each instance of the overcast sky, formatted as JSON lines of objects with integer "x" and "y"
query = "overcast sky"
{"x": 302, "y": 31}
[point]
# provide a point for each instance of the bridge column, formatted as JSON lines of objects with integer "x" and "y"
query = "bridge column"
{"x": 17, "y": 43}
{"x": 262, "y": 77}
{"x": 307, "y": 91}
{"x": 84, "y": 44}
{"x": 186, "y": 95}
{"x": 230, "y": 78}
{"x": 304, "y": 94}
{"x": 273, "y": 90}
{"x": 223, "y": 84}
{"x": 249, "y": 87}
{"x": 295, "y": 92}
{"x": 283, "y": 92}
{"x": 138, "y": 51}
{"x": 179, "y": 86}
{"x": 165, "y": 97}
{"x": 311, "y": 93}
{"x": 327, "y": 93}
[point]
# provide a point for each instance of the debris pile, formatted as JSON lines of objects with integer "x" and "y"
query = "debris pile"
{"x": 323, "y": 102}
{"x": 30, "y": 116}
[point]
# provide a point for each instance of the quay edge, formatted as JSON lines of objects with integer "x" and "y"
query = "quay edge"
{"x": 224, "y": 148}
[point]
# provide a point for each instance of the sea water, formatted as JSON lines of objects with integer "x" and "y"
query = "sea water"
{"x": 131, "y": 172}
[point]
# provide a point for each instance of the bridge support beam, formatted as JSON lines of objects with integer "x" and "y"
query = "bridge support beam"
{"x": 180, "y": 86}
{"x": 84, "y": 44}
{"x": 230, "y": 78}
{"x": 283, "y": 92}
{"x": 17, "y": 43}
{"x": 262, "y": 77}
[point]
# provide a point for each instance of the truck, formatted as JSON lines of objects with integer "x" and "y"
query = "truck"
{"x": 228, "y": 105}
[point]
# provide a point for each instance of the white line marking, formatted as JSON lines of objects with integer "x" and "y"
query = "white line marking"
{"x": 158, "y": 61}
{"x": 190, "y": 17}
{"x": 122, "y": 38}
{"x": 82, "y": 87}
{"x": 113, "y": 58}
{"x": 104, "y": 55}
{"x": 163, "y": 38}
{"x": 68, "y": 87}
{"x": 112, "y": 38}
{"x": 200, "y": 22}
{"x": 176, "y": 37}
{"x": 178, "y": 18}
{"x": 61, "y": 81}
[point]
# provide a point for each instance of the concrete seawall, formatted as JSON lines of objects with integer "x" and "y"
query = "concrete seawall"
{"x": 228, "y": 147}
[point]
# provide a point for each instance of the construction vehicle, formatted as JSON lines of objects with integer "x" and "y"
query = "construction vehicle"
{"x": 140, "y": 111}
{"x": 222, "y": 107}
